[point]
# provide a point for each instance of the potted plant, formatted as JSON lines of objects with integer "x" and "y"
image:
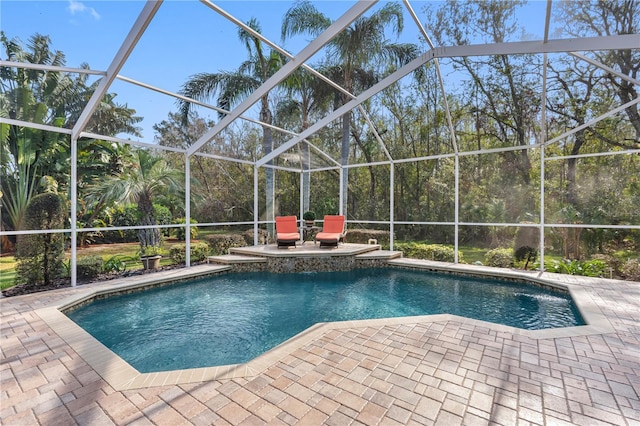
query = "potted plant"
{"x": 150, "y": 257}
{"x": 309, "y": 218}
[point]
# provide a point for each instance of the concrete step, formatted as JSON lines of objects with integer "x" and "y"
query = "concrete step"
{"x": 234, "y": 259}
{"x": 379, "y": 254}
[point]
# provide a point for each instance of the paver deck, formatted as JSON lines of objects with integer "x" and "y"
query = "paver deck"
{"x": 438, "y": 369}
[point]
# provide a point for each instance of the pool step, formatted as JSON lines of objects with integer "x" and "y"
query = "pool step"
{"x": 379, "y": 255}
{"x": 234, "y": 259}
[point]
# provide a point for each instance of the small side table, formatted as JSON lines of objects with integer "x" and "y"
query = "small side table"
{"x": 309, "y": 233}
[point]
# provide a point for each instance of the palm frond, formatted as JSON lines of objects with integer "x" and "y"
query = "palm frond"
{"x": 234, "y": 88}
{"x": 304, "y": 18}
{"x": 201, "y": 87}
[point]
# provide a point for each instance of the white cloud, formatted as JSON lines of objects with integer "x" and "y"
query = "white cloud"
{"x": 79, "y": 7}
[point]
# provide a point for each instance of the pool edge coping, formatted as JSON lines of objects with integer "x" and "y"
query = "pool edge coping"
{"x": 122, "y": 376}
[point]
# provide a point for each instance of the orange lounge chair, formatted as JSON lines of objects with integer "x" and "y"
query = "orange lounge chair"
{"x": 287, "y": 232}
{"x": 333, "y": 231}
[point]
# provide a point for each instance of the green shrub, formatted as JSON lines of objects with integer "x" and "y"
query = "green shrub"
{"x": 122, "y": 216}
{"x": 180, "y": 231}
{"x": 613, "y": 263}
{"x": 499, "y": 258}
{"x": 221, "y": 243}
{"x": 40, "y": 257}
{"x": 148, "y": 251}
{"x": 163, "y": 217}
{"x": 89, "y": 267}
{"x": 595, "y": 268}
{"x": 429, "y": 251}
{"x": 631, "y": 270}
{"x": 590, "y": 268}
{"x": 556, "y": 266}
{"x": 116, "y": 263}
{"x": 199, "y": 252}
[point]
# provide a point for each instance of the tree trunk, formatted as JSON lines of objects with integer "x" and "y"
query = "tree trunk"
{"x": 571, "y": 167}
{"x": 148, "y": 236}
{"x": 306, "y": 176}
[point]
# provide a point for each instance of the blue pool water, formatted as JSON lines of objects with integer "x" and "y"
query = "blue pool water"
{"x": 232, "y": 318}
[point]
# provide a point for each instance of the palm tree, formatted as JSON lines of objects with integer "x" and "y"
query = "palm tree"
{"x": 232, "y": 87}
{"x": 146, "y": 177}
{"x": 306, "y": 95}
{"x": 353, "y": 53}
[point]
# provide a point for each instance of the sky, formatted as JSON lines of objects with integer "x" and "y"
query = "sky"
{"x": 184, "y": 38}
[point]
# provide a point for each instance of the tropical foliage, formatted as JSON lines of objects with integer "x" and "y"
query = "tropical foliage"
{"x": 35, "y": 160}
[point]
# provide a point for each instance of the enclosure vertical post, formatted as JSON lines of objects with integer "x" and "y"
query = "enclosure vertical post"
{"x": 187, "y": 209}
{"x": 342, "y": 191}
{"x": 457, "y": 207}
{"x": 255, "y": 205}
{"x": 543, "y": 129}
{"x": 302, "y": 197}
{"x": 392, "y": 173}
{"x": 74, "y": 208}
{"x": 542, "y": 219}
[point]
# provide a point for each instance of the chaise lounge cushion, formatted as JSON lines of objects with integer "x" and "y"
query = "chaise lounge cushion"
{"x": 332, "y": 232}
{"x": 287, "y": 231}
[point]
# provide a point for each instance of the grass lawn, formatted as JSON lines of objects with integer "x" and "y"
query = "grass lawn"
{"x": 472, "y": 254}
{"x": 7, "y": 271}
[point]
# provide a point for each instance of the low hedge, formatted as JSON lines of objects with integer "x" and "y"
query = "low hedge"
{"x": 199, "y": 252}
{"x": 89, "y": 267}
{"x": 263, "y": 235}
{"x": 221, "y": 243}
{"x": 437, "y": 252}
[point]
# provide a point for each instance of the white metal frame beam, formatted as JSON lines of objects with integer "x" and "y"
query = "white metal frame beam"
{"x": 340, "y": 24}
{"x": 547, "y": 20}
{"x": 605, "y": 68}
{"x": 199, "y": 103}
{"x": 55, "y": 68}
{"x": 383, "y": 84}
{"x": 514, "y": 48}
{"x": 617, "y": 42}
{"x": 45, "y": 127}
{"x": 593, "y": 121}
{"x": 144, "y": 19}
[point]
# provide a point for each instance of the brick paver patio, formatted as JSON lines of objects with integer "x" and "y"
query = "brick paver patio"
{"x": 440, "y": 370}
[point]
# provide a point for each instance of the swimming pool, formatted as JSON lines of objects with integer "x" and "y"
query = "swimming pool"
{"x": 232, "y": 318}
